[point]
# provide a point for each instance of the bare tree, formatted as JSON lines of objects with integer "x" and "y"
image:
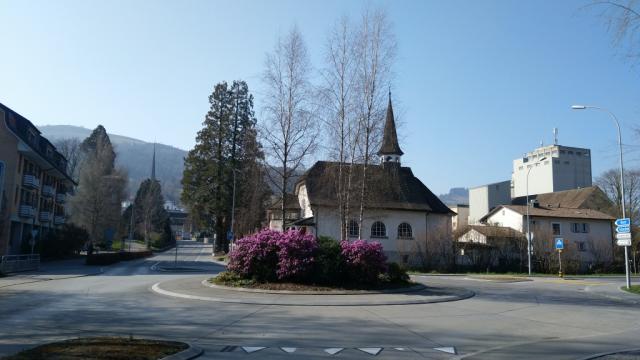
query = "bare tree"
{"x": 375, "y": 49}
{"x": 70, "y": 149}
{"x": 290, "y": 130}
{"x": 622, "y": 18}
{"x": 338, "y": 78}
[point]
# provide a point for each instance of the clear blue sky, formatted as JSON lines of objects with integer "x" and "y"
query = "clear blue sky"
{"x": 478, "y": 83}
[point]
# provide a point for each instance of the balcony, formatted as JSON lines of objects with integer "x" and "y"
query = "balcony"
{"x": 31, "y": 181}
{"x": 45, "y": 216}
{"x": 58, "y": 220}
{"x": 26, "y": 211}
{"x": 61, "y": 198}
{"x": 48, "y": 191}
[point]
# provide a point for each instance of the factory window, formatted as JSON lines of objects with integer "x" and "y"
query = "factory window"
{"x": 570, "y": 152}
{"x": 578, "y": 153}
{"x": 556, "y": 161}
{"x": 585, "y": 227}
{"x": 566, "y": 163}
{"x": 581, "y": 246}
{"x": 562, "y": 151}
{"x": 555, "y": 229}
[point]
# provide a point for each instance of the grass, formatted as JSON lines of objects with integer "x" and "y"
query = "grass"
{"x": 508, "y": 273}
{"x": 102, "y": 348}
{"x": 634, "y": 289}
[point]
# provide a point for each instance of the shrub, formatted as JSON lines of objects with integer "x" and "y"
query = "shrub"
{"x": 329, "y": 267}
{"x": 256, "y": 256}
{"x": 396, "y": 274}
{"x": 296, "y": 252}
{"x": 363, "y": 260}
{"x": 67, "y": 240}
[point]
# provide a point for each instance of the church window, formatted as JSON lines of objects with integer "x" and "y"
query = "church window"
{"x": 378, "y": 230}
{"x": 405, "y": 231}
{"x": 354, "y": 229}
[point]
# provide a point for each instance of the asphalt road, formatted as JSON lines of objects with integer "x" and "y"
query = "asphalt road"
{"x": 544, "y": 318}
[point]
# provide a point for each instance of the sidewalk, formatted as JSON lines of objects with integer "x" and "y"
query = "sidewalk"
{"x": 52, "y": 270}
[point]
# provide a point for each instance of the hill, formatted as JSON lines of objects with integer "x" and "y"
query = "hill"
{"x": 455, "y": 196}
{"x": 135, "y": 157}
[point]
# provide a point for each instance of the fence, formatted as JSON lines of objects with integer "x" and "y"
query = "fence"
{"x": 15, "y": 263}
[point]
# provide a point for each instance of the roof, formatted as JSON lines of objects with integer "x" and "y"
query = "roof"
{"x": 553, "y": 212}
{"x": 290, "y": 200}
{"x": 390, "y": 144}
{"x": 496, "y": 231}
{"x": 309, "y": 221}
{"x": 21, "y": 127}
{"x": 388, "y": 187}
{"x": 586, "y": 198}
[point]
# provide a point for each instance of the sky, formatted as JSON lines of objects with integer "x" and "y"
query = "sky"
{"x": 476, "y": 83}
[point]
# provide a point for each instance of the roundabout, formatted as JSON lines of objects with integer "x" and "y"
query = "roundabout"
{"x": 199, "y": 289}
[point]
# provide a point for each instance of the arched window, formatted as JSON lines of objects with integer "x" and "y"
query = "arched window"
{"x": 378, "y": 230}
{"x": 404, "y": 231}
{"x": 354, "y": 229}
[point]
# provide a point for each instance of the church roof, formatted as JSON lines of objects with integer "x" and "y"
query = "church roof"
{"x": 388, "y": 187}
{"x": 390, "y": 144}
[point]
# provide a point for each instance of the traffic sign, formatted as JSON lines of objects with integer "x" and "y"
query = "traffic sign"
{"x": 623, "y": 242}
{"x": 625, "y": 236}
{"x": 623, "y": 229}
{"x": 229, "y": 235}
{"x": 559, "y": 243}
{"x": 623, "y": 222}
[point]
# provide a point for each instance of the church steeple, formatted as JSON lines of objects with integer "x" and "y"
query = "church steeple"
{"x": 153, "y": 163}
{"x": 390, "y": 150}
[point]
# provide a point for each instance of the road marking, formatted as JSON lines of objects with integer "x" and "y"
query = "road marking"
{"x": 333, "y": 351}
{"x": 289, "y": 350}
{"x": 252, "y": 349}
{"x": 448, "y": 349}
{"x": 400, "y": 349}
{"x": 371, "y": 351}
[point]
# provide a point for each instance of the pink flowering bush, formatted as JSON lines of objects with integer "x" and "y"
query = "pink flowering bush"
{"x": 364, "y": 261}
{"x": 272, "y": 255}
{"x": 296, "y": 255}
{"x": 256, "y": 256}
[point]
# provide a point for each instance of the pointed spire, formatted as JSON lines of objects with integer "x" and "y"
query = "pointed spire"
{"x": 153, "y": 163}
{"x": 390, "y": 144}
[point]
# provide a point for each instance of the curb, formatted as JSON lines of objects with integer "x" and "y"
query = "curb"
{"x": 455, "y": 295}
{"x": 595, "y": 356}
{"x": 191, "y": 352}
{"x": 410, "y": 289}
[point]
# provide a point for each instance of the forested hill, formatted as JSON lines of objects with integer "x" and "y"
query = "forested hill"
{"x": 135, "y": 157}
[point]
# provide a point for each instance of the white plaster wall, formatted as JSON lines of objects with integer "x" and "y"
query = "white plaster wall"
{"x": 484, "y": 198}
{"x": 303, "y": 198}
{"x": 473, "y": 236}
{"x": 461, "y": 219}
{"x": 507, "y": 218}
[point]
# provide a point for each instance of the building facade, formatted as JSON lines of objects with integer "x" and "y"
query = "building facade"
{"x": 411, "y": 223}
{"x": 485, "y": 198}
{"x": 33, "y": 185}
{"x": 551, "y": 168}
{"x": 461, "y": 219}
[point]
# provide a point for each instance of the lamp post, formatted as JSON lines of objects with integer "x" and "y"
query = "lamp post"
{"x": 624, "y": 212}
{"x": 233, "y": 208}
{"x": 528, "y": 221}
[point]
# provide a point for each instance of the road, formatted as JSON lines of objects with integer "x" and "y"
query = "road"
{"x": 544, "y": 318}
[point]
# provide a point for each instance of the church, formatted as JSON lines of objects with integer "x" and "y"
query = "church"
{"x": 400, "y": 212}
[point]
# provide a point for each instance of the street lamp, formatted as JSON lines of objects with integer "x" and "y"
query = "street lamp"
{"x": 624, "y": 212}
{"x": 233, "y": 208}
{"x": 528, "y": 221}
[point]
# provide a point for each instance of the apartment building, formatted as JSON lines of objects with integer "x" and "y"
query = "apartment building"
{"x": 33, "y": 184}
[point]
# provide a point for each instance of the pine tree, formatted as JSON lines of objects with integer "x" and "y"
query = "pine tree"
{"x": 222, "y": 148}
{"x": 149, "y": 210}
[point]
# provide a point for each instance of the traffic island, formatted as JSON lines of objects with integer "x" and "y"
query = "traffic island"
{"x": 109, "y": 348}
{"x": 634, "y": 289}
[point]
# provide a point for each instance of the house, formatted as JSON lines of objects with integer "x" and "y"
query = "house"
{"x": 461, "y": 219}
{"x": 400, "y": 212}
{"x": 292, "y": 212}
{"x": 487, "y": 247}
{"x": 33, "y": 184}
{"x": 578, "y": 216}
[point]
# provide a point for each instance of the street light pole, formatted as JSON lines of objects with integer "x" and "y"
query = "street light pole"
{"x": 624, "y": 211}
{"x": 528, "y": 220}
{"x": 233, "y": 209}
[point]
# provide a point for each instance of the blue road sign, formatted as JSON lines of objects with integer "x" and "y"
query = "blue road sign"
{"x": 623, "y": 222}
{"x": 229, "y": 235}
{"x": 559, "y": 243}
{"x": 623, "y": 229}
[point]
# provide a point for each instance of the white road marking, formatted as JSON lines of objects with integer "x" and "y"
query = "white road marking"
{"x": 371, "y": 351}
{"x": 400, "y": 349}
{"x": 289, "y": 350}
{"x": 448, "y": 349}
{"x": 333, "y": 351}
{"x": 252, "y": 349}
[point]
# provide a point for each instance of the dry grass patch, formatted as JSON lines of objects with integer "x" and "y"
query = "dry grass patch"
{"x": 102, "y": 348}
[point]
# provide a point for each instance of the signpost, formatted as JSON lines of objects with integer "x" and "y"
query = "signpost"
{"x": 623, "y": 232}
{"x": 559, "y": 242}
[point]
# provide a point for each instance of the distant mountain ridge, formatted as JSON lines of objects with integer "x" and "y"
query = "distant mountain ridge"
{"x": 457, "y": 195}
{"x": 135, "y": 156}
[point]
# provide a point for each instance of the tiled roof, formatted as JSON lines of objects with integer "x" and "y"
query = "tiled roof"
{"x": 388, "y": 187}
{"x": 496, "y": 231}
{"x": 586, "y": 198}
{"x": 557, "y": 212}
